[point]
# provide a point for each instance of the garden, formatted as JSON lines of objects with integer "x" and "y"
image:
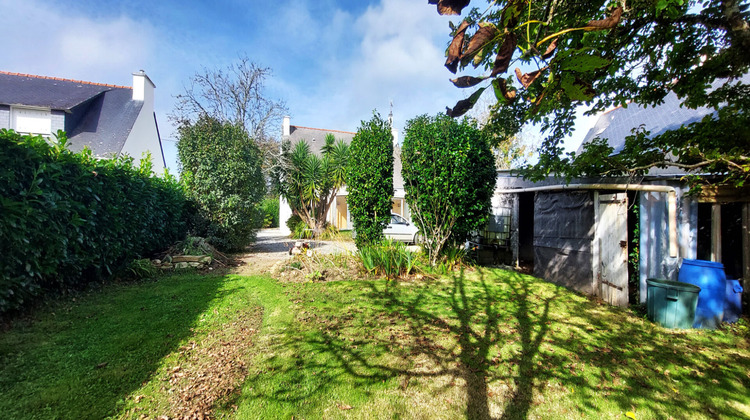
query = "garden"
{"x": 471, "y": 343}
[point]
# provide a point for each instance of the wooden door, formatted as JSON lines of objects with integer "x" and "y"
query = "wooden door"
{"x": 612, "y": 235}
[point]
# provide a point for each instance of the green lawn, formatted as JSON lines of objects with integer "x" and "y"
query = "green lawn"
{"x": 486, "y": 344}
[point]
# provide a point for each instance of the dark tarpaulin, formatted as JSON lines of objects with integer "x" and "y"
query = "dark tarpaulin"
{"x": 563, "y": 233}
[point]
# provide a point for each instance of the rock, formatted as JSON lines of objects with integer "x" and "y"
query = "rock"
{"x": 206, "y": 260}
{"x": 181, "y": 265}
{"x": 156, "y": 262}
{"x": 195, "y": 264}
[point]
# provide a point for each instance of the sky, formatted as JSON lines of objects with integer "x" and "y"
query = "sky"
{"x": 333, "y": 62}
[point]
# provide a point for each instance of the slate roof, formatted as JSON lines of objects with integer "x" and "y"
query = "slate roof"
{"x": 106, "y": 125}
{"x": 618, "y": 123}
{"x": 316, "y": 138}
{"x": 97, "y": 115}
{"x": 48, "y": 92}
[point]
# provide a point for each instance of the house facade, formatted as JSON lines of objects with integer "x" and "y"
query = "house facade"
{"x": 338, "y": 214}
{"x": 110, "y": 120}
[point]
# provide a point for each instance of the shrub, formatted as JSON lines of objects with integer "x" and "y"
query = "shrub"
{"x": 370, "y": 180}
{"x": 67, "y": 219}
{"x": 449, "y": 177}
{"x": 221, "y": 170}
{"x": 387, "y": 258}
{"x": 270, "y": 207}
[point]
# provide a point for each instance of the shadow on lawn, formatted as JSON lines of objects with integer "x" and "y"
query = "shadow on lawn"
{"x": 82, "y": 359}
{"x": 516, "y": 342}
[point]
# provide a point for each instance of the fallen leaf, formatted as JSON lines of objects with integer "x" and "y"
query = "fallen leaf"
{"x": 344, "y": 406}
{"x": 630, "y": 414}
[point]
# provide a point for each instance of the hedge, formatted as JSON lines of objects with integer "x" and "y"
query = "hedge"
{"x": 67, "y": 219}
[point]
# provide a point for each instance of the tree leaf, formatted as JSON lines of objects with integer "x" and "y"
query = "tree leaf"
{"x": 464, "y": 105}
{"x": 454, "y": 50}
{"x": 526, "y": 79}
{"x": 576, "y": 89}
{"x": 484, "y": 35}
{"x": 449, "y": 7}
{"x": 583, "y": 62}
{"x": 550, "y": 49}
{"x": 505, "y": 54}
{"x": 502, "y": 92}
{"x": 608, "y": 23}
{"x": 467, "y": 81}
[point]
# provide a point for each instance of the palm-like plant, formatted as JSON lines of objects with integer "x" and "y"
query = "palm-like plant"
{"x": 310, "y": 182}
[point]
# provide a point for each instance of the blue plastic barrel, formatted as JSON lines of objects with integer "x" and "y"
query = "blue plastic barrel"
{"x": 710, "y": 277}
{"x": 733, "y": 301}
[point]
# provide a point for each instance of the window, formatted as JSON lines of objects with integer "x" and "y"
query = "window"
{"x": 31, "y": 120}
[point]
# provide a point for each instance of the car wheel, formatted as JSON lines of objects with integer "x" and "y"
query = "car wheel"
{"x": 417, "y": 239}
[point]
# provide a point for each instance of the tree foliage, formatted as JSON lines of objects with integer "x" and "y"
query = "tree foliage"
{"x": 603, "y": 54}
{"x": 310, "y": 182}
{"x": 370, "y": 180}
{"x": 221, "y": 171}
{"x": 449, "y": 176}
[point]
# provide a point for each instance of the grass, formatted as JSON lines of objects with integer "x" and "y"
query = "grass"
{"x": 486, "y": 344}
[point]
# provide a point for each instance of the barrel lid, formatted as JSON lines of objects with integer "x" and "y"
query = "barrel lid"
{"x": 703, "y": 263}
{"x": 677, "y": 285}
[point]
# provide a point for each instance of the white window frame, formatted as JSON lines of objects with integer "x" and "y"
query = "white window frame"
{"x": 13, "y": 119}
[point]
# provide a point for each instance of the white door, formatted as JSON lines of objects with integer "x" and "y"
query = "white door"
{"x": 612, "y": 234}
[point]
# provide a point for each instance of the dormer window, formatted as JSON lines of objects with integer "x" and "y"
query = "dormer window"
{"x": 31, "y": 120}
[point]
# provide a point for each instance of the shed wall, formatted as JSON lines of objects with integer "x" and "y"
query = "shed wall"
{"x": 563, "y": 234}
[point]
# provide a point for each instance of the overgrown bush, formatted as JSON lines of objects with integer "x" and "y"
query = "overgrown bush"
{"x": 221, "y": 170}
{"x": 370, "y": 180}
{"x": 67, "y": 218}
{"x": 270, "y": 207}
{"x": 387, "y": 258}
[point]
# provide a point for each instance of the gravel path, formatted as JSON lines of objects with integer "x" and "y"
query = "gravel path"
{"x": 272, "y": 246}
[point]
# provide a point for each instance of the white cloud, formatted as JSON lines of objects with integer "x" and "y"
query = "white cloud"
{"x": 48, "y": 41}
{"x": 399, "y": 57}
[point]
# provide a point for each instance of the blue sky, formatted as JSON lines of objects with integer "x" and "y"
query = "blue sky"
{"x": 333, "y": 61}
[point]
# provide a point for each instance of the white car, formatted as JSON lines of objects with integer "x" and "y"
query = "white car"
{"x": 401, "y": 230}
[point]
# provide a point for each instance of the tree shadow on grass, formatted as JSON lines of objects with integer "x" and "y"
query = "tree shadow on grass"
{"x": 513, "y": 346}
{"x": 82, "y": 359}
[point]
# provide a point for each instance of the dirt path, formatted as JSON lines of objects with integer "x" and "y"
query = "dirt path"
{"x": 272, "y": 246}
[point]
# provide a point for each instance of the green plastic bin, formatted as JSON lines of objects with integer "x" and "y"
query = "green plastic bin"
{"x": 671, "y": 304}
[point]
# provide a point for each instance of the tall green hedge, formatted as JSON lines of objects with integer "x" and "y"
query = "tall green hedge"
{"x": 370, "y": 180}
{"x": 68, "y": 218}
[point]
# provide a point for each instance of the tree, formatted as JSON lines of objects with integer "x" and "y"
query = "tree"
{"x": 221, "y": 170}
{"x": 234, "y": 94}
{"x": 370, "y": 180}
{"x": 310, "y": 182}
{"x": 603, "y": 54}
{"x": 449, "y": 177}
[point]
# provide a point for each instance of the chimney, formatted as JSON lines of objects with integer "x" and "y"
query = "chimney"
{"x": 143, "y": 90}
{"x": 285, "y": 127}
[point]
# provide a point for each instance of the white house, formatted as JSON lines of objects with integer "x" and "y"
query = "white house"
{"x": 111, "y": 120}
{"x": 339, "y": 215}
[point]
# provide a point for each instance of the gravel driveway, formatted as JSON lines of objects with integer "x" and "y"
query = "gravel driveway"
{"x": 272, "y": 246}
